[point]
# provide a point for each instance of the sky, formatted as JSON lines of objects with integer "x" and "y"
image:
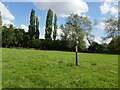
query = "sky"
{"x": 18, "y": 13}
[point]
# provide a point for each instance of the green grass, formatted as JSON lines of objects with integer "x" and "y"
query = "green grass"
{"x": 56, "y": 69}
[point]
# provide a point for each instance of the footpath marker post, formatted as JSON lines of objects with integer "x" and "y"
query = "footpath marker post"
{"x": 76, "y": 56}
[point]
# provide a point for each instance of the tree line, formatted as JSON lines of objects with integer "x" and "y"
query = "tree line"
{"x": 74, "y": 32}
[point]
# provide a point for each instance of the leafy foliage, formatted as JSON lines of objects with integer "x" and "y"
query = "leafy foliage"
{"x": 18, "y": 37}
{"x": 114, "y": 45}
{"x": 75, "y": 29}
{"x": 98, "y": 48}
{"x": 32, "y": 25}
{"x": 55, "y": 27}
{"x": 7, "y": 36}
{"x": 37, "y": 29}
{"x": 0, "y": 19}
{"x": 111, "y": 27}
{"x": 48, "y": 28}
{"x": 1, "y": 30}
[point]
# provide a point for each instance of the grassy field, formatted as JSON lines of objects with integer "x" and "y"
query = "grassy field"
{"x": 56, "y": 69}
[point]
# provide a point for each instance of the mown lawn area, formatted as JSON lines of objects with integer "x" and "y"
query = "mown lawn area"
{"x": 22, "y": 68}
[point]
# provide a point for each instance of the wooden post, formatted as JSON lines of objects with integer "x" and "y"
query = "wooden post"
{"x": 76, "y": 56}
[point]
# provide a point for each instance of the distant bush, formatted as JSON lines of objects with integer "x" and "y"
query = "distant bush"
{"x": 48, "y": 44}
{"x": 97, "y": 48}
{"x": 36, "y": 43}
{"x": 114, "y": 46}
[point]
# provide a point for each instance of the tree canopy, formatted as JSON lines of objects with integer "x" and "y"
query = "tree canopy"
{"x": 37, "y": 29}
{"x": 55, "y": 27}
{"x": 75, "y": 29}
{"x": 111, "y": 27}
{"x": 32, "y": 25}
{"x": 0, "y": 19}
{"x": 48, "y": 27}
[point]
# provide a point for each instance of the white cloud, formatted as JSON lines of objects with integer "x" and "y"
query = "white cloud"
{"x": 108, "y": 40}
{"x": 109, "y": 7}
{"x": 100, "y": 26}
{"x": 7, "y": 23}
{"x": 114, "y": 11}
{"x": 86, "y": 42}
{"x": 116, "y": 3}
{"x": 64, "y": 8}
{"x": 39, "y": 17}
{"x": 59, "y": 33}
{"x": 99, "y": 40}
{"x": 41, "y": 37}
{"x": 105, "y": 8}
{"x": 7, "y": 17}
{"x": 24, "y": 27}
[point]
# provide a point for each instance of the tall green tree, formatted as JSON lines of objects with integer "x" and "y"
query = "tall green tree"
{"x": 32, "y": 25}
{"x": 111, "y": 27}
{"x": 55, "y": 27}
{"x": 114, "y": 45}
{"x": 37, "y": 29}
{"x": 0, "y": 30}
{"x": 76, "y": 27}
{"x": 18, "y": 37}
{"x": 0, "y": 19}
{"x": 48, "y": 28}
{"x": 7, "y": 36}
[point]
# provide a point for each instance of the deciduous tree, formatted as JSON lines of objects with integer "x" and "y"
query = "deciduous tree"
{"x": 76, "y": 27}
{"x": 0, "y": 19}
{"x": 111, "y": 27}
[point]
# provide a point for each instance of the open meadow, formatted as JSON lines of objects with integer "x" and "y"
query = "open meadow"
{"x": 22, "y": 68}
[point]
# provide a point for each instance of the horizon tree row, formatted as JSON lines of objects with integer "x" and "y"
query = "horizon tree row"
{"x": 76, "y": 28}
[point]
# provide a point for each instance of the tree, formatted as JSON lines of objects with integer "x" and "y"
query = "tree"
{"x": 48, "y": 28}
{"x": 7, "y": 36}
{"x": 111, "y": 27}
{"x": 55, "y": 27}
{"x": 0, "y": 19}
{"x": 36, "y": 43}
{"x": 65, "y": 33}
{"x": 26, "y": 39}
{"x": 37, "y": 29}
{"x": 114, "y": 45}
{"x": 97, "y": 48}
{"x": 76, "y": 28}
{"x": 90, "y": 38}
{"x": 32, "y": 25}
{"x": 18, "y": 37}
{"x": 0, "y": 30}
